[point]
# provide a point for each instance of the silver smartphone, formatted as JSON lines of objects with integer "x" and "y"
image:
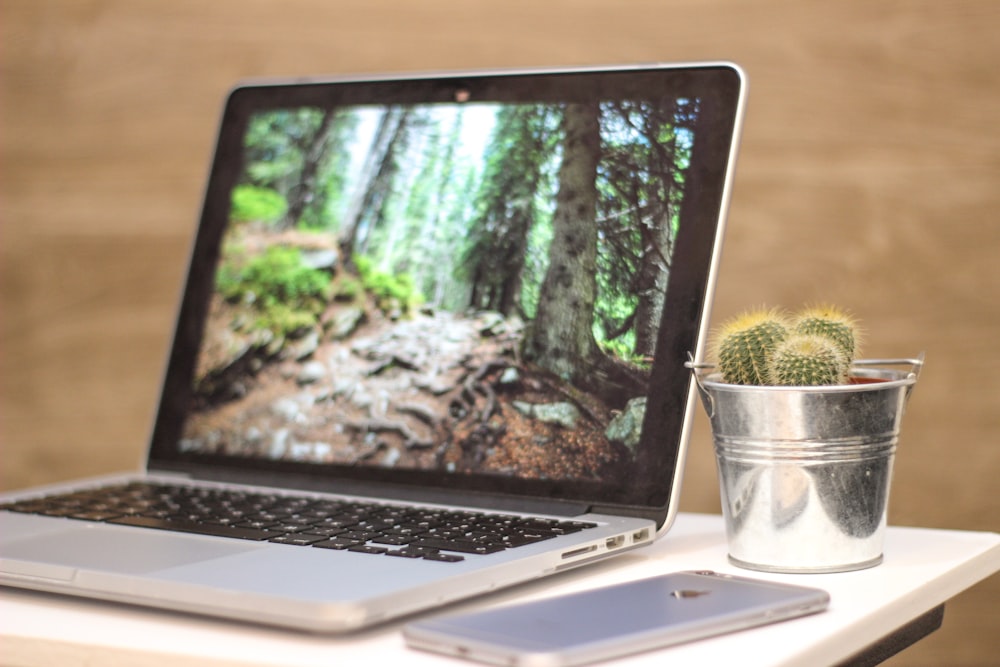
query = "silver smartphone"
{"x": 613, "y": 621}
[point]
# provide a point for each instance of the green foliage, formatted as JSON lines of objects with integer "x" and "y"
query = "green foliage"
{"x": 273, "y": 143}
{"x": 284, "y": 320}
{"x": 347, "y": 288}
{"x": 276, "y": 158}
{"x": 746, "y": 342}
{"x": 513, "y": 198}
{"x": 252, "y": 203}
{"x": 640, "y": 187}
{"x": 279, "y": 276}
{"x": 286, "y": 294}
{"x": 806, "y": 360}
{"x": 624, "y": 349}
{"x": 390, "y": 291}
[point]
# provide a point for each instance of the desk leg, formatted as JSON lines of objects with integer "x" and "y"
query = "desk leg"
{"x": 902, "y": 638}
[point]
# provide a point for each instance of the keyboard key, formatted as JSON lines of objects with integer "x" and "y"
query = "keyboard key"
{"x": 298, "y": 539}
{"x": 363, "y": 535}
{"x": 323, "y": 532}
{"x": 288, "y": 527}
{"x": 192, "y": 527}
{"x": 461, "y": 546}
{"x": 393, "y": 540}
{"x": 520, "y": 540}
{"x": 95, "y": 515}
{"x": 408, "y": 552}
{"x": 260, "y": 525}
{"x": 444, "y": 558}
{"x": 337, "y": 543}
{"x": 368, "y": 549}
{"x": 339, "y": 521}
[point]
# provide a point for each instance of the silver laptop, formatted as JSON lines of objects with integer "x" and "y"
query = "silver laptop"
{"x": 431, "y": 343}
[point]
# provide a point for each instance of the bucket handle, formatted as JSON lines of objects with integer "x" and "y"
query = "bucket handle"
{"x": 916, "y": 364}
{"x": 706, "y": 397}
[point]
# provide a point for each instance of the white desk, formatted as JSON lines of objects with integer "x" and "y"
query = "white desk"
{"x": 922, "y": 569}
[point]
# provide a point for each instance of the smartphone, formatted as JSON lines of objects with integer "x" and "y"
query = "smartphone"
{"x": 613, "y": 621}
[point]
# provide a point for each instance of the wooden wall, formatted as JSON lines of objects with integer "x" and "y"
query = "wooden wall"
{"x": 869, "y": 176}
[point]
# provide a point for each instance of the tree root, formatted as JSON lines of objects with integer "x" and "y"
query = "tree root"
{"x": 393, "y": 360}
{"x": 421, "y": 412}
{"x": 376, "y": 425}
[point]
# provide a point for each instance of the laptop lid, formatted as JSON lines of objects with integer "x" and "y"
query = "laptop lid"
{"x": 471, "y": 287}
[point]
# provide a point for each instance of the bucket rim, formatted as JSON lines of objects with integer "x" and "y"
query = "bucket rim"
{"x": 872, "y": 369}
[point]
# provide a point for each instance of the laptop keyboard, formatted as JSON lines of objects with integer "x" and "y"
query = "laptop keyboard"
{"x": 372, "y": 528}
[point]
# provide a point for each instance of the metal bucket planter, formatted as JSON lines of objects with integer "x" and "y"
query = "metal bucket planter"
{"x": 804, "y": 472}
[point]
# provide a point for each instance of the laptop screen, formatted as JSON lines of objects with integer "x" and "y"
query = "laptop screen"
{"x": 474, "y": 282}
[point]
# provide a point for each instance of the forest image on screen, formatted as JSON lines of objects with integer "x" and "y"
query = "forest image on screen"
{"x": 466, "y": 288}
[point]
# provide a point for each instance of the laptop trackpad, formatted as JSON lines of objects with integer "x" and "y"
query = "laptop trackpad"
{"x": 105, "y": 548}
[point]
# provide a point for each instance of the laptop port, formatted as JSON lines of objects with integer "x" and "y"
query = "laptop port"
{"x": 640, "y": 535}
{"x": 614, "y": 542}
{"x": 580, "y": 551}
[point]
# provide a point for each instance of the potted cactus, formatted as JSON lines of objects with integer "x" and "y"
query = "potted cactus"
{"x": 805, "y": 436}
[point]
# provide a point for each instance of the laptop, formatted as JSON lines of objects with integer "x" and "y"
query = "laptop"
{"x": 431, "y": 343}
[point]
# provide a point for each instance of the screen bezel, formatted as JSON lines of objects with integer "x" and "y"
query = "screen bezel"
{"x": 720, "y": 89}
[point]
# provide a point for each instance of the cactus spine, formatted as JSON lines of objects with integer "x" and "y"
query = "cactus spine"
{"x": 746, "y": 342}
{"x": 807, "y": 360}
{"x": 832, "y": 323}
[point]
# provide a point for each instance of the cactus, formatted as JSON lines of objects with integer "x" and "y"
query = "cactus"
{"x": 745, "y": 343}
{"x": 806, "y": 360}
{"x": 832, "y": 323}
{"x": 765, "y": 347}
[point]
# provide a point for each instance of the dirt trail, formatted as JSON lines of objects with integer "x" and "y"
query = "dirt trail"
{"x": 436, "y": 391}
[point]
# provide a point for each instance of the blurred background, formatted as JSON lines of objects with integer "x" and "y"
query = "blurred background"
{"x": 869, "y": 176}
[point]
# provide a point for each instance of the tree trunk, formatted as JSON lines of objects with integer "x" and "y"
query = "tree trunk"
{"x": 561, "y": 337}
{"x": 654, "y": 273}
{"x": 508, "y": 301}
{"x": 373, "y": 173}
{"x": 303, "y": 191}
{"x": 657, "y": 238}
